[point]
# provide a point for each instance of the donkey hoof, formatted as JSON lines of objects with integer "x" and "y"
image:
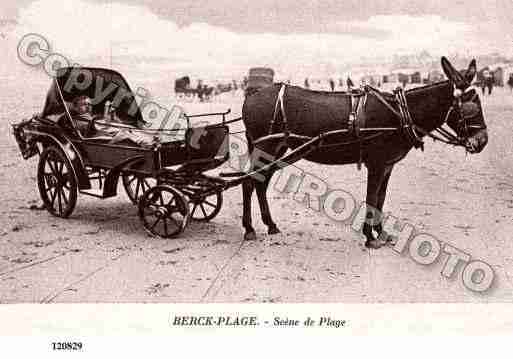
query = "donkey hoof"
{"x": 373, "y": 244}
{"x": 250, "y": 236}
{"x": 273, "y": 230}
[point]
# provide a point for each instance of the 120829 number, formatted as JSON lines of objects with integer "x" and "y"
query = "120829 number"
{"x": 67, "y": 346}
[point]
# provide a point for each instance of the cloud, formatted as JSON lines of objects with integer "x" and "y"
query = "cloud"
{"x": 93, "y": 32}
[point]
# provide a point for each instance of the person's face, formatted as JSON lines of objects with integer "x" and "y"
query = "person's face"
{"x": 83, "y": 106}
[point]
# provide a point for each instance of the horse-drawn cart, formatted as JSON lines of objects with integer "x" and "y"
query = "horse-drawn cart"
{"x": 163, "y": 175}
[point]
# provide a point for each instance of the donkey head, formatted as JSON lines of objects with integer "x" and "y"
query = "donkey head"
{"x": 466, "y": 114}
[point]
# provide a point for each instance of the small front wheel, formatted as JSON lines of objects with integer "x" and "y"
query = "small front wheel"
{"x": 136, "y": 184}
{"x": 164, "y": 211}
{"x": 205, "y": 208}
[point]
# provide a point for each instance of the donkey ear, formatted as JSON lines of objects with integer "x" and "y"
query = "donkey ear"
{"x": 448, "y": 69}
{"x": 471, "y": 71}
{"x": 453, "y": 75}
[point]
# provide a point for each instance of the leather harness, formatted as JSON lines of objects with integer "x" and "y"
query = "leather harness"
{"x": 356, "y": 119}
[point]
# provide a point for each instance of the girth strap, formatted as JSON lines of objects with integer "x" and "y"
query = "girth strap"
{"x": 353, "y": 122}
{"x": 407, "y": 125}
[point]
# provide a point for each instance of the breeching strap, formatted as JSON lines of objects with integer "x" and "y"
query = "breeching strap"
{"x": 279, "y": 103}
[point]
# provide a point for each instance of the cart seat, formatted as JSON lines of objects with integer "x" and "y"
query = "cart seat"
{"x": 207, "y": 148}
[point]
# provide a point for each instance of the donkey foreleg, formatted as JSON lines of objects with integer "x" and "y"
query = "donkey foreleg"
{"x": 382, "y": 193}
{"x": 375, "y": 178}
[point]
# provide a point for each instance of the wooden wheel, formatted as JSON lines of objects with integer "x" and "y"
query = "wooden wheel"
{"x": 164, "y": 211}
{"x": 56, "y": 182}
{"x": 136, "y": 184}
{"x": 203, "y": 209}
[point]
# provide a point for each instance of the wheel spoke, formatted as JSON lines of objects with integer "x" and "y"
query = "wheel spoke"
{"x": 52, "y": 168}
{"x": 210, "y": 204}
{"x": 170, "y": 202}
{"x": 54, "y": 195}
{"x": 50, "y": 194}
{"x": 155, "y": 223}
{"x": 60, "y": 166}
{"x": 203, "y": 210}
{"x": 137, "y": 189}
{"x": 153, "y": 199}
{"x": 63, "y": 194}
{"x": 56, "y": 167}
{"x": 146, "y": 183}
{"x": 60, "y": 200}
{"x": 143, "y": 186}
{"x": 47, "y": 177}
{"x": 194, "y": 209}
{"x": 131, "y": 178}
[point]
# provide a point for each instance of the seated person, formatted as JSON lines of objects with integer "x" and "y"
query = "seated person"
{"x": 81, "y": 112}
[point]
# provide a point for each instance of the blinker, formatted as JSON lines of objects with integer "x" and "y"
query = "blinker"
{"x": 469, "y": 110}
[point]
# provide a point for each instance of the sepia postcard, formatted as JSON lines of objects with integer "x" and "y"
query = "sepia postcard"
{"x": 341, "y": 166}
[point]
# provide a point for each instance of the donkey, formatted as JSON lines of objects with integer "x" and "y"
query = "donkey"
{"x": 310, "y": 113}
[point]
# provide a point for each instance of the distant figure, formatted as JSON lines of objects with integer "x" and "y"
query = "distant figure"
{"x": 487, "y": 82}
{"x": 332, "y": 85}
{"x": 340, "y": 83}
{"x": 510, "y": 82}
{"x": 206, "y": 92}
{"x": 349, "y": 84}
{"x": 307, "y": 84}
{"x": 199, "y": 90}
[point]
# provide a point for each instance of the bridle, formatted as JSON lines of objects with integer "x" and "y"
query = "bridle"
{"x": 441, "y": 134}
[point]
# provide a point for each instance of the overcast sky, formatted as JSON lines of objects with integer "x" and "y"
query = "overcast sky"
{"x": 304, "y": 15}
{"x": 223, "y": 34}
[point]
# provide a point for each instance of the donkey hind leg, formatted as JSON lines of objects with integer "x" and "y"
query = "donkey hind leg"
{"x": 375, "y": 177}
{"x": 262, "y": 184}
{"x": 261, "y": 190}
{"x": 247, "y": 192}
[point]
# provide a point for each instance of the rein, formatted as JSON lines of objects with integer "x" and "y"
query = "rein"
{"x": 410, "y": 129}
{"x": 443, "y": 135}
